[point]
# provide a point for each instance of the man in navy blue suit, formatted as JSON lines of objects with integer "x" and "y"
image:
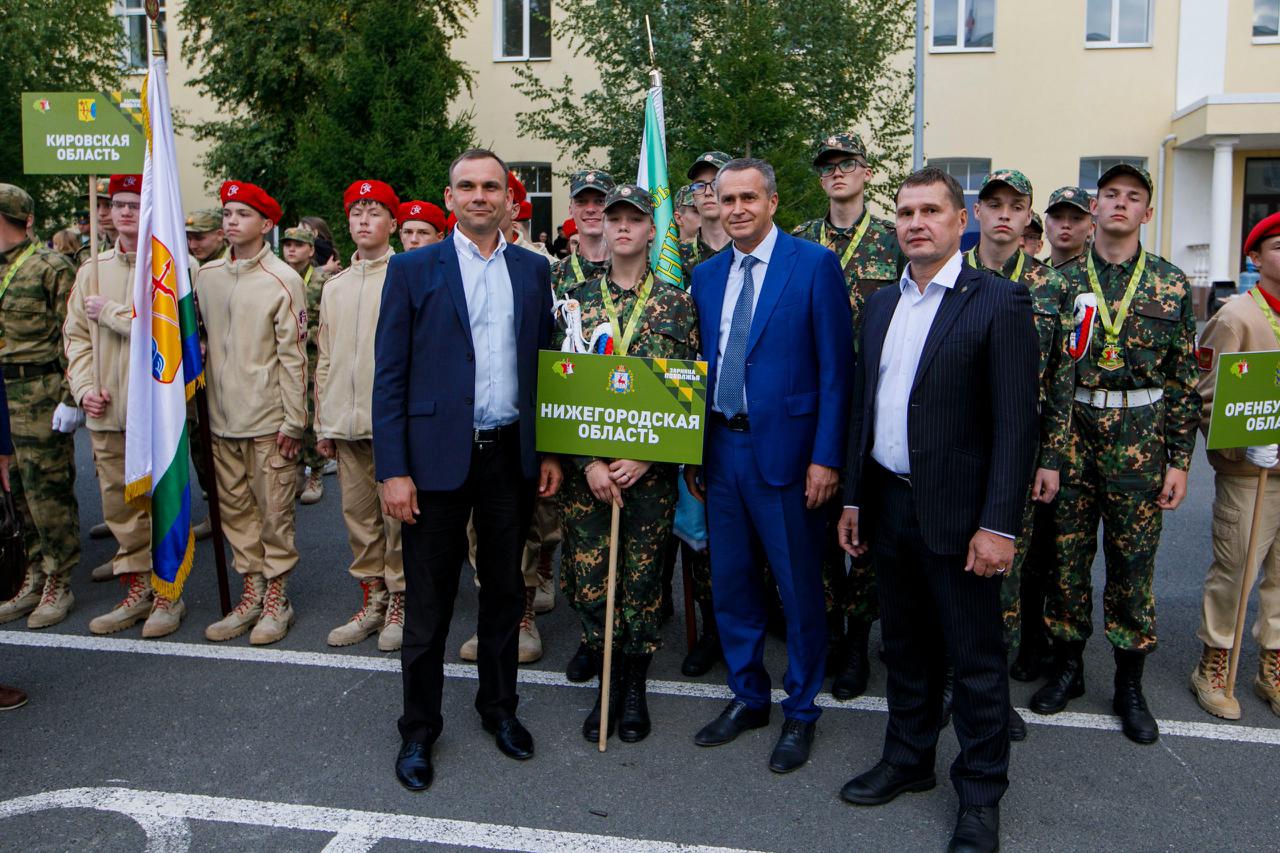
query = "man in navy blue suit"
{"x": 942, "y": 439}
{"x": 776, "y": 332}
{"x": 455, "y": 372}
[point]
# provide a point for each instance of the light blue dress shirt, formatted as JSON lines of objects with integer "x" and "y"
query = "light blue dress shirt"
{"x": 491, "y": 309}
{"x": 733, "y": 288}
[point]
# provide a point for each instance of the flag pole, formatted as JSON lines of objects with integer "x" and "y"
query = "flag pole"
{"x": 1246, "y": 583}
{"x": 93, "y": 278}
{"x": 202, "y": 403}
{"x": 611, "y": 586}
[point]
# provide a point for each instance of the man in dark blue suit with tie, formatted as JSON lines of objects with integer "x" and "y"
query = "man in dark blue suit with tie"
{"x": 776, "y": 332}
{"x": 455, "y": 374}
{"x": 942, "y": 439}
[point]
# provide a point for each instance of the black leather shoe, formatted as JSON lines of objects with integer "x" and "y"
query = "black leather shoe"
{"x": 413, "y": 765}
{"x": 706, "y": 654}
{"x": 1066, "y": 680}
{"x": 1017, "y": 725}
{"x": 884, "y": 782}
{"x": 511, "y": 737}
{"x": 581, "y": 666}
{"x": 977, "y": 830}
{"x": 948, "y": 695}
{"x": 1129, "y": 704}
{"x": 735, "y": 719}
{"x": 792, "y": 750}
{"x": 851, "y": 682}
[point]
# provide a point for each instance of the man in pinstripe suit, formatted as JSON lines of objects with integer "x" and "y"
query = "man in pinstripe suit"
{"x": 941, "y": 447}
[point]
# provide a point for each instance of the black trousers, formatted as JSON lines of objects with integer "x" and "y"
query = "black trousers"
{"x": 930, "y": 605}
{"x": 435, "y": 548}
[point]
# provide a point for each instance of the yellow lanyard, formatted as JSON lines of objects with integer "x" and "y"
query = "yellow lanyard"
{"x": 306, "y": 278}
{"x": 577, "y": 269}
{"x": 1017, "y": 270}
{"x": 1267, "y": 312}
{"x": 14, "y": 267}
{"x": 622, "y": 340}
{"x": 1122, "y": 311}
{"x": 853, "y": 244}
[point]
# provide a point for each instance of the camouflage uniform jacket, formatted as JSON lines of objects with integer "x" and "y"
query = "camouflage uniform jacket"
{"x": 1158, "y": 343}
{"x": 694, "y": 252}
{"x": 1052, "y": 312}
{"x": 34, "y": 309}
{"x": 313, "y": 281}
{"x": 875, "y": 263}
{"x": 564, "y": 277}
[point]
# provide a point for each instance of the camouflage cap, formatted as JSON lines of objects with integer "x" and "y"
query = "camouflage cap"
{"x": 1127, "y": 169}
{"x": 1036, "y": 222}
{"x": 716, "y": 159}
{"x": 590, "y": 179}
{"x": 204, "y": 221}
{"x": 844, "y": 142}
{"x": 102, "y": 186}
{"x": 299, "y": 234}
{"x": 684, "y": 197}
{"x": 1077, "y": 197}
{"x": 15, "y": 202}
{"x": 1011, "y": 178}
{"x": 637, "y": 197}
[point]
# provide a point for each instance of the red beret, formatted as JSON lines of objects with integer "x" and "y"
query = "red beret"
{"x": 124, "y": 184}
{"x": 252, "y": 195}
{"x": 525, "y": 212}
{"x": 1268, "y": 227}
{"x": 570, "y": 227}
{"x": 450, "y": 222}
{"x": 518, "y": 195}
{"x": 372, "y": 190}
{"x": 423, "y": 211}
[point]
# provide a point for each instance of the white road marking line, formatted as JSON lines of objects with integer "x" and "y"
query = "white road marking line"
{"x": 163, "y": 816}
{"x": 685, "y": 689}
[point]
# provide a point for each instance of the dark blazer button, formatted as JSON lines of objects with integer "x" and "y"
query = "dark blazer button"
{"x": 468, "y": 401}
{"x": 470, "y": 357}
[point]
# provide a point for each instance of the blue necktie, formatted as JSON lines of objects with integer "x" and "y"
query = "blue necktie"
{"x": 733, "y": 367}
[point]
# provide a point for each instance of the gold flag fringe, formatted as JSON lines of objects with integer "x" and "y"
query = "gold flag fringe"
{"x": 173, "y": 591}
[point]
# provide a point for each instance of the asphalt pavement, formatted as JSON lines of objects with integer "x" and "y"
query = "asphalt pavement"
{"x": 180, "y": 744}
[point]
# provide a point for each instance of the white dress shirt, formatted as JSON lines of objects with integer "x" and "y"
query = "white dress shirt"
{"x": 733, "y": 289}
{"x": 491, "y": 310}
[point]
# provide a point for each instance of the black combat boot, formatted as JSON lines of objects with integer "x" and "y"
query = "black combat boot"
{"x": 706, "y": 652}
{"x": 581, "y": 666}
{"x": 591, "y": 725}
{"x": 1129, "y": 704}
{"x": 634, "y": 723}
{"x": 852, "y": 680}
{"x": 835, "y": 643}
{"x": 1066, "y": 679}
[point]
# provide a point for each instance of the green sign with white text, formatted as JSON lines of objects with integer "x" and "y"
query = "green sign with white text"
{"x": 82, "y": 133}
{"x": 621, "y": 407}
{"x": 1246, "y": 400}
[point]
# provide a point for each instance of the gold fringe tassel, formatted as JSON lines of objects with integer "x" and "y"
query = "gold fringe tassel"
{"x": 173, "y": 591}
{"x": 139, "y": 492}
{"x": 198, "y": 382}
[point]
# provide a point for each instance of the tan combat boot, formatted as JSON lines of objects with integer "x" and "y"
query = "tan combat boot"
{"x": 1267, "y": 684}
{"x": 392, "y": 635}
{"x": 312, "y": 488}
{"x": 545, "y": 600}
{"x": 135, "y": 606}
{"x": 277, "y": 614}
{"x": 470, "y": 650}
{"x": 104, "y": 572}
{"x": 1209, "y": 683}
{"x": 166, "y": 616}
{"x": 55, "y": 603}
{"x": 27, "y": 599}
{"x": 203, "y": 530}
{"x": 368, "y": 618}
{"x": 244, "y": 615}
{"x": 100, "y": 531}
{"x": 530, "y": 640}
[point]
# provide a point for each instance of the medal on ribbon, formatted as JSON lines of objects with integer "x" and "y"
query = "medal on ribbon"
{"x": 1112, "y": 357}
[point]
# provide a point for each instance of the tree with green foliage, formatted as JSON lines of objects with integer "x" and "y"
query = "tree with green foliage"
{"x": 318, "y": 93}
{"x": 52, "y": 46}
{"x": 765, "y": 78}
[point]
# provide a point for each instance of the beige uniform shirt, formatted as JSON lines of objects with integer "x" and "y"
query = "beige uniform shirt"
{"x": 255, "y": 321}
{"x": 349, "y": 310}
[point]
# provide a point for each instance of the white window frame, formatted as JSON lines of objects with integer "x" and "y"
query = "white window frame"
{"x": 1112, "y": 44}
{"x": 1131, "y": 159}
{"x": 978, "y": 168}
{"x": 959, "y": 48}
{"x": 121, "y": 10}
{"x": 1263, "y": 39}
{"x": 498, "y": 32}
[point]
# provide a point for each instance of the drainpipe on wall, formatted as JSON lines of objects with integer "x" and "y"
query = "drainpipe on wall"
{"x": 917, "y": 154}
{"x": 1160, "y": 168}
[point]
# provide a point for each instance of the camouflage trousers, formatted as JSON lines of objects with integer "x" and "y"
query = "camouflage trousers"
{"x": 1113, "y": 471}
{"x": 43, "y": 478}
{"x": 1023, "y": 586}
{"x": 644, "y": 530}
{"x": 309, "y": 456}
{"x": 849, "y": 586}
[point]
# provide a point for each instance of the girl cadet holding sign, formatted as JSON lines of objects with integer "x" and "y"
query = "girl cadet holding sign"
{"x": 631, "y": 313}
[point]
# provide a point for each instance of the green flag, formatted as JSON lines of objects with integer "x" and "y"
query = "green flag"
{"x": 665, "y": 254}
